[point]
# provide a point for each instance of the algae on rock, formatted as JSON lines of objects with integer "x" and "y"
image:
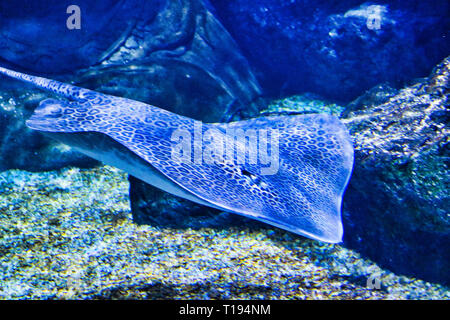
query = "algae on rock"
{"x": 396, "y": 206}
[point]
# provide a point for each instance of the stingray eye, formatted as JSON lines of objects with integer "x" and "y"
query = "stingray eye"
{"x": 50, "y": 108}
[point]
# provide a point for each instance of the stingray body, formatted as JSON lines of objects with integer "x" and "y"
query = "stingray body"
{"x": 304, "y": 194}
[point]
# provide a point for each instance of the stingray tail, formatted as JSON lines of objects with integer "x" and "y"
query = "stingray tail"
{"x": 67, "y": 90}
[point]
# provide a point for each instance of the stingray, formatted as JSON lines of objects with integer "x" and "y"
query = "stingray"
{"x": 302, "y": 193}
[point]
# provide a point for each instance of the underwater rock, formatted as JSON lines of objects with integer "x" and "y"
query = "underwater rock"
{"x": 177, "y": 54}
{"x": 34, "y": 35}
{"x": 373, "y": 97}
{"x": 183, "y": 60}
{"x": 396, "y": 205}
{"x": 337, "y": 49}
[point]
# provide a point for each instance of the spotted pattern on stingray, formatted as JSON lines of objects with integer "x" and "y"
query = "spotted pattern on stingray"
{"x": 303, "y": 196}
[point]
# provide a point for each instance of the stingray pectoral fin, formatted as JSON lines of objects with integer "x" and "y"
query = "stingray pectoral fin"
{"x": 303, "y": 195}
